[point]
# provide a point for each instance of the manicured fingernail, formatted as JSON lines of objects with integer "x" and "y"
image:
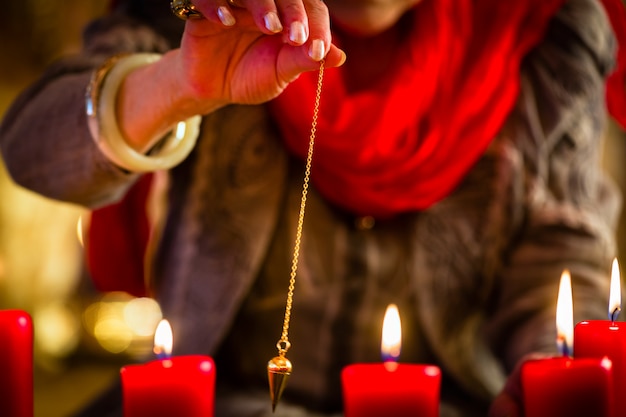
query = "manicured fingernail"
{"x": 317, "y": 50}
{"x": 272, "y": 22}
{"x": 343, "y": 58}
{"x": 225, "y": 16}
{"x": 297, "y": 33}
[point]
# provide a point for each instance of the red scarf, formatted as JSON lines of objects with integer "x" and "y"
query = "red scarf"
{"x": 406, "y": 142}
{"x": 615, "y": 85}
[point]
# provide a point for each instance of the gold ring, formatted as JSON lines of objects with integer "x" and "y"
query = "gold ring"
{"x": 185, "y": 10}
{"x": 233, "y": 3}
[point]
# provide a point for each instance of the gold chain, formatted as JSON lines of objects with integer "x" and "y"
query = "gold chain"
{"x": 283, "y": 344}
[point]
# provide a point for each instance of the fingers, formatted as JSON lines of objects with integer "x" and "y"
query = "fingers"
{"x": 504, "y": 405}
{"x": 319, "y": 27}
{"x": 303, "y": 23}
{"x": 265, "y": 14}
{"x": 509, "y": 402}
{"x": 288, "y": 17}
{"x": 225, "y": 16}
{"x": 293, "y": 61}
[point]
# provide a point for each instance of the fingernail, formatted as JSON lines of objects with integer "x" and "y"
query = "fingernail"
{"x": 343, "y": 58}
{"x": 225, "y": 16}
{"x": 297, "y": 33}
{"x": 317, "y": 50}
{"x": 272, "y": 22}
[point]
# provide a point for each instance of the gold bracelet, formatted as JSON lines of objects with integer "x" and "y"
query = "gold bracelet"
{"x": 102, "y": 121}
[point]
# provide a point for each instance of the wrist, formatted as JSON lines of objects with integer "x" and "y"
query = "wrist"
{"x": 147, "y": 105}
{"x": 186, "y": 98}
{"x": 103, "y": 120}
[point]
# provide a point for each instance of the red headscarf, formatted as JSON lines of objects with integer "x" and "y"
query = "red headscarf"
{"x": 407, "y": 141}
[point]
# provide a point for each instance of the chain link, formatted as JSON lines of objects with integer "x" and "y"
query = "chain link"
{"x": 283, "y": 344}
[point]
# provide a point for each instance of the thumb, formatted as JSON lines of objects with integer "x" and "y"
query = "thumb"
{"x": 510, "y": 401}
{"x": 294, "y": 60}
{"x": 505, "y": 405}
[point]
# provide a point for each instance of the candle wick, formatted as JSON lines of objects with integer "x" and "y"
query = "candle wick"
{"x": 161, "y": 353}
{"x": 614, "y": 314}
{"x": 564, "y": 348}
{"x": 390, "y": 366}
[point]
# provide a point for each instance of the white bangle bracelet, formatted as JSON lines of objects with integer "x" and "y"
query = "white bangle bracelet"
{"x": 102, "y": 120}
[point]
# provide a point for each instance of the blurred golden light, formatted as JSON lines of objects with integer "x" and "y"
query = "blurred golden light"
{"x": 142, "y": 315}
{"x": 2, "y": 269}
{"x": 56, "y": 330}
{"x": 112, "y": 335}
{"x": 110, "y": 328}
{"x": 121, "y": 323}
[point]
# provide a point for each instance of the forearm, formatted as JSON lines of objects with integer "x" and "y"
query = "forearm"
{"x": 44, "y": 136}
{"x": 152, "y": 99}
{"x": 47, "y": 147}
{"x": 568, "y": 208}
{"x": 525, "y": 318}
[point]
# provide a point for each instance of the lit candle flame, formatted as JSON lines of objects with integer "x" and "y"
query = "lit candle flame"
{"x": 391, "y": 342}
{"x": 163, "y": 340}
{"x": 615, "y": 296}
{"x": 565, "y": 315}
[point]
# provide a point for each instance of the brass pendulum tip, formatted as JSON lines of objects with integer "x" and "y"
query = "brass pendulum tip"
{"x": 278, "y": 371}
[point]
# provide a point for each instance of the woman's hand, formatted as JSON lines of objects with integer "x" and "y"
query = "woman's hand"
{"x": 245, "y": 53}
{"x": 248, "y": 53}
{"x": 509, "y": 403}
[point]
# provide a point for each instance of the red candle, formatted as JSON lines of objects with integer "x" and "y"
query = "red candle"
{"x": 598, "y": 338}
{"x": 391, "y": 389}
{"x": 562, "y": 386}
{"x": 171, "y": 386}
{"x": 16, "y": 374}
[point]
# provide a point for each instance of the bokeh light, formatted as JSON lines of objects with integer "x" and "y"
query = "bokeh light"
{"x": 57, "y": 330}
{"x": 122, "y": 324}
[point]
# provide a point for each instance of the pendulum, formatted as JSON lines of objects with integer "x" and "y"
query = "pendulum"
{"x": 279, "y": 367}
{"x": 278, "y": 371}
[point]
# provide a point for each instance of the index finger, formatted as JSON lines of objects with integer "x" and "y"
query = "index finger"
{"x": 320, "y": 37}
